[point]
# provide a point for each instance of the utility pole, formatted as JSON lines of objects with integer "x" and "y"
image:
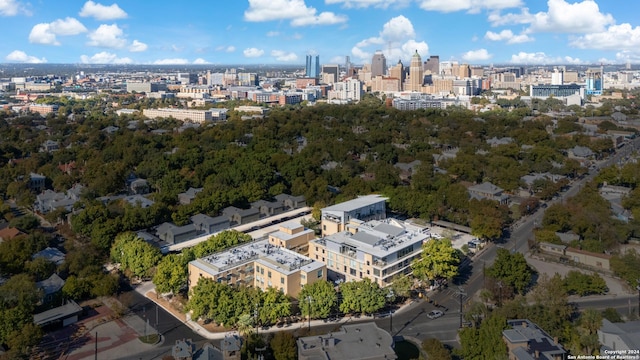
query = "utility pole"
{"x": 96, "y": 347}
{"x": 461, "y": 293}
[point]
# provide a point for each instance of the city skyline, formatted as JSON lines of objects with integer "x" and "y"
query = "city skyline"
{"x": 526, "y": 32}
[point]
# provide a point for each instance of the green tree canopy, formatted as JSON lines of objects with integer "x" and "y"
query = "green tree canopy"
{"x": 364, "y": 296}
{"x": 439, "y": 260}
{"x": 511, "y": 269}
{"x": 323, "y": 299}
{"x": 134, "y": 254}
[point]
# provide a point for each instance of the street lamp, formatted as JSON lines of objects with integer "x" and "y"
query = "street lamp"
{"x": 390, "y": 296}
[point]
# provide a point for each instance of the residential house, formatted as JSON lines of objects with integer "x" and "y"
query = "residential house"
{"x": 494, "y": 141}
{"x": 36, "y": 182}
{"x": 268, "y": 208}
{"x": 139, "y": 187}
{"x": 64, "y": 315}
{"x": 239, "y": 216}
{"x": 183, "y": 349}
{"x": 580, "y": 152}
{"x": 209, "y": 225}
{"x": 290, "y": 202}
{"x": 488, "y": 191}
{"x": 352, "y": 342}
{"x": 174, "y": 234}
{"x": 619, "y": 336}
{"x": 51, "y": 288}
{"x": 187, "y": 197}
{"x": 526, "y": 341}
{"x": 9, "y": 233}
{"x": 49, "y": 146}
{"x": 51, "y": 254}
{"x": 407, "y": 169}
{"x": 578, "y": 256}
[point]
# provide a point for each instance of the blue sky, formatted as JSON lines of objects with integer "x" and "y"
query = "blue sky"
{"x": 284, "y": 31}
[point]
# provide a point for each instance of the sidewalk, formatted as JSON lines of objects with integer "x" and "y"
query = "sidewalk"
{"x": 148, "y": 291}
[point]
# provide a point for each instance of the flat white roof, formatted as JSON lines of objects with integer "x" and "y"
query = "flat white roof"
{"x": 356, "y": 203}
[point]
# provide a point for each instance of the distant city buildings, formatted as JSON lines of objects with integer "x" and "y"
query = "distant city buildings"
{"x": 197, "y": 116}
{"x": 312, "y": 67}
{"x": 378, "y": 64}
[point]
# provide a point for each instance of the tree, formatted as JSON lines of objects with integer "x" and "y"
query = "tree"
{"x": 283, "y": 346}
{"x": 436, "y": 350}
{"x": 18, "y": 298}
{"x": 25, "y": 223}
{"x": 171, "y": 274}
{"x": 401, "y": 286}
{"x": 324, "y": 299}
{"x": 275, "y": 306}
{"x": 364, "y": 296}
{"x": 439, "y": 260}
{"x": 582, "y": 284}
{"x": 134, "y": 254}
{"x": 511, "y": 269}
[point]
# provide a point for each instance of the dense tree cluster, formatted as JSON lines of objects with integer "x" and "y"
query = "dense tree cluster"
{"x": 438, "y": 260}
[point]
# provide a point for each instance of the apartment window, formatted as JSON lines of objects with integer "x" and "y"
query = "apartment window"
{"x": 330, "y": 263}
{"x": 303, "y": 276}
{"x": 376, "y": 272}
{"x": 316, "y": 257}
{"x": 330, "y": 256}
{"x": 322, "y": 259}
{"x": 360, "y": 274}
{"x": 352, "y": 271}
{"x": 269, "y": 274}
{"x": 316, "y": 248}
{"x": 262, "y": 271}
{"x": 320, "y": 273}
{"x": 345, "y": 268}
{"x": 281, "y": 280}
{"x": 323, "y": 251}
{"x": 368, "y": 272}
{"x": 368, "y": 263}
{"x": 324, "y": 227}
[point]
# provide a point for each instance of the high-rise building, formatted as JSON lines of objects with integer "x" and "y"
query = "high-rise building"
{"x": 378, "y": 64}
{"x": 557, "y": 77}
{"x": 464, "y": 71}
{"x": 312, "y": 70}
{"x": 416, "y": 73}
{"x": 595, "y": 81}
{"x": 330, "y": 73}
{"x": 397, "y": 72}
{"x": 432, "y": 65}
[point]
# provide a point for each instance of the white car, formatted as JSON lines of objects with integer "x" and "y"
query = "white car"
{"x": 434, "y": 314}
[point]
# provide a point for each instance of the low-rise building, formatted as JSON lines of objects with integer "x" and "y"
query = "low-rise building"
{"x": 261, "y": 265}
{"x": 292, "y": 236}
{"x": 526, "y": 341}
{"x": 488, "y": 191}
{"x": 335, "y": 218}
{"x": 352, "y": 342}
{"x": 378, "y": 249}
{"x": 209, "y": 225}
{"x": 199, "y": 116}
{"x": 619, "y": 336}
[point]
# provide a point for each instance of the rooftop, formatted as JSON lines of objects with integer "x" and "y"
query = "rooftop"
{"x": 356, "y": 341}
{"x": 283, "y": 260}
{"x": 356, "y": 203}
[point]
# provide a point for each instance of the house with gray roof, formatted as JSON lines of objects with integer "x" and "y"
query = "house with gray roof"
{"x": 619, "y": 336}
{"x": 187, "y": 197}
{"x": 580, "y": 152}
{"x": 290, "y": 202}
{"x": 488, "y": 191}
{"x": 51, "y": 254}
{"x": 527, "y": 341}
{"x": 174, "y": 234}
{"x": 351, "y": 342}
{"x": 51, "y": 288}
{"x": 268, "y": 208}
{"x": 239, "y": 216}
{"x": 209, "y": 225}
{"x": 494, "y": 141}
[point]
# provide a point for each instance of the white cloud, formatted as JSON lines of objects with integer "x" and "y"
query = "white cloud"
{"x": 109, "y": 36}
{"x": 508, "y": 36}
{"x": 137, "y": 46}
{"x": 174, "y": 61}
{"x": 45, "y": 33}
{"x": 104, "y": 58}
{"x": 477, "y": 55}
{"x": 540, "y": 58}
{"x": 472, "y": 6}
{"x": 273, "y": 33}
{"x": 200, "y": 61}
{"x": 561, "y": 17}
{"x": 398, "y": 38}
{"x": 253, "y": 52}
{"x": 283, "y": 55}
{"x": 295, "y": 10}
{"x": 12, "y": 8}
{"x": 18, "y": 56}
{"x": 621, "y": 37}
{"x": 383, "y": 4}
{"x": 102, "y": 12}
{"x": 228, "y": 49}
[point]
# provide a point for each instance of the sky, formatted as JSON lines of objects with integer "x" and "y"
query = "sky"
{"x": 526, "y": 32}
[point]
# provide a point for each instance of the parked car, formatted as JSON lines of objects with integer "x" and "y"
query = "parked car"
{"x": 434, "y": 314}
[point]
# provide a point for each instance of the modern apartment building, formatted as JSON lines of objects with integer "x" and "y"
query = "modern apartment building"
{"x": 259, "y": 264}
{"x": 376, "y": 249}
{"x": 292, "y": 236}
{"x": 336, "y": 217}
{"x": 43, "y": 109}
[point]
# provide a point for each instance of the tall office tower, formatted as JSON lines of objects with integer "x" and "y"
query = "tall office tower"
{"x": 595, "y": 81}
{"x": 397, "y": 72}
{"x": 627, "y": 66}
{"x": 330, "y": 73}
{"x": 433, "y": 65}
{"x": 416, "y": 73}
{"x": 347, "y": 65}
{"x": 378, "y": 64}
{"x": 557, "y": 77}
{"x": 464, "y": 71}
{"x": 312, "y": 70}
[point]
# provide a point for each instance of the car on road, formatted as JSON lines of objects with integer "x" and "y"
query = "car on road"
{"x": 434, "y": 314}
